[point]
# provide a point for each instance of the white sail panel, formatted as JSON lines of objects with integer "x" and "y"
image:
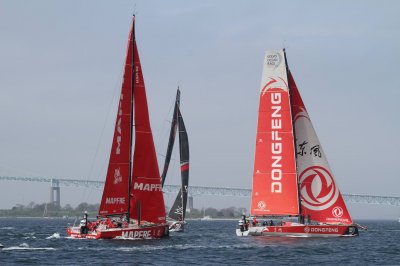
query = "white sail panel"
{"x": 321, "y": 199}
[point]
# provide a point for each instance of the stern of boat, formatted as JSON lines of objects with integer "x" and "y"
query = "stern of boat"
{"x": 352, "y": 230}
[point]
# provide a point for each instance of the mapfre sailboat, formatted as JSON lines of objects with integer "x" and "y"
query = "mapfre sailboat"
{"x": 177, "y": 212}
{"x": 294, "y": 193}
{"x": 132, "y": 205}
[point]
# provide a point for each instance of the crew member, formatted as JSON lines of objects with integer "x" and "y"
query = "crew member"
{"x": 84, "y": 224}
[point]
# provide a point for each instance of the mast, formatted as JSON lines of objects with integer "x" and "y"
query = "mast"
{"x": 131, "y": 123}
{"x": 180, "y": 151}
{"x": 294, "y": 132}
{"x": 115, "y": 199}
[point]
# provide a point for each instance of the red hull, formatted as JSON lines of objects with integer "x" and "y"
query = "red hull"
{"x": 135, "y": 232}
{"x": 301, "y": 231}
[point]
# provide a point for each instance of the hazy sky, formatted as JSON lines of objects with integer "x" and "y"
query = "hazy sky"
{"x": 60, "y": 75}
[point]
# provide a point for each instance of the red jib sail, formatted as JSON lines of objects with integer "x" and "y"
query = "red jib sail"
{"x": 321, "y": 199}
{"x": 115, "y": 193}
{"x": 274, "y": 177}
{"x": 146, "y": 189}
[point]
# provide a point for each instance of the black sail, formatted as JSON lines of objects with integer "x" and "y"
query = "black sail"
{"x": 178, "y": 210}
{"x": 172, "y": 135}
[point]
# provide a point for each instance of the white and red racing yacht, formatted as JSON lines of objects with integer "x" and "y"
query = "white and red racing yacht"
{"x": 294, "y": 193}
{"x": 132, "y": 205}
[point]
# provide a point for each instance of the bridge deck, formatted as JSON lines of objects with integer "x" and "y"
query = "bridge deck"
{"x": 197, "y": 190}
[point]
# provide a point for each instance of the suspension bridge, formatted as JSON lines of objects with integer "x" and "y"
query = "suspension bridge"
{"x": 57, "y": 183}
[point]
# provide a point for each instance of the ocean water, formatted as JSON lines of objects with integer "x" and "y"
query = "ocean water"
{"x": 29, "y": 241}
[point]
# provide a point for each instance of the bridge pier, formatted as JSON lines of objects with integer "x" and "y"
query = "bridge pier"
{"x": 55, "y": 193}
{"x": 190, "y": 203}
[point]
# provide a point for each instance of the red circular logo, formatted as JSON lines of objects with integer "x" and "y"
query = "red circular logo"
{"x": 317, "y": 188}
{"x": 337, "y": 212}
{"x": 261, "y": 205}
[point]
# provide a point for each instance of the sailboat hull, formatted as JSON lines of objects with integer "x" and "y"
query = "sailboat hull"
{"x": 177, "y": 226}
{"x": 132, "y": 232}
{"x": 300, "y": 230}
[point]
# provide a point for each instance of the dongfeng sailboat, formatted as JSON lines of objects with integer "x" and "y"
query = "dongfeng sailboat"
{"x": 294, "y": 193}
{"x": 132, "y": 205}
{"x": 178, "y": 210}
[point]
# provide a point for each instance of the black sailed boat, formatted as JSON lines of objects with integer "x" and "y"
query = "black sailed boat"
{"x": 177, "y": 212}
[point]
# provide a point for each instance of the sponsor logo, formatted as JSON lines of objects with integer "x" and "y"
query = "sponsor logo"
{"x": 301, "y": 114}
{"x": 324, "y": 230}
{"x": 117, "y": 176}
{"x": 115, "y": 200}
{"x": 306, "y": 229}
{"x": 179, "y": 210}
{"x": 274, "y": 83}
{"x": 337, "y": 212}
{"x": 317, "y": 188}
{"x": 137, "y": 74}
{"x": 261, "y": 205}
{"x": 136, "y": 234}
{"x": 341, "y": 220}
{"x": 184, "y": 166}
{"x": 276, "y": 142}
{"x": 119, "y": 129}
{"x": 147, "y": 187}
{"x": 273, "y": 60}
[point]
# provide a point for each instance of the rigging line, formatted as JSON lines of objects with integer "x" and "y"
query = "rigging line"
{"x": 17, "y": 169}
{"x": 117, "y": 86}
{"x": 164, "y": 129}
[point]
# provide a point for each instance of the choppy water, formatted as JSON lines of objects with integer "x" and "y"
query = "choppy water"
{"x": 44, "y": 242}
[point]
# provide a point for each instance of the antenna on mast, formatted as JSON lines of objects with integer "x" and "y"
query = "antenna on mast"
{"x": 134, "y": 10}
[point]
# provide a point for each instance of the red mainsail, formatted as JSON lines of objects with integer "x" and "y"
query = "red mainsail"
{"x": 115, "y": 194}
{"x": 146, "y": 189}
{"x": 321, "y": 199}
{"x": 275, "y": 189}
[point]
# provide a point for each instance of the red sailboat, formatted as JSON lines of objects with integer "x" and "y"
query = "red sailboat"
{"x": 294, "y": 193}
{"x": 132, "y": 205}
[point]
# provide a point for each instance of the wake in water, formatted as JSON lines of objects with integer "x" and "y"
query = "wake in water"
{"x": 55, "y": 235}
{"x": 7, "y": 228}
{"x": 29, "y": 236}
{"x": 25, "y": 246}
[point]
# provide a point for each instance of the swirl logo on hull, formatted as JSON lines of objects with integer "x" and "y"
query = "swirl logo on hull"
{"x": 317, "y": 188}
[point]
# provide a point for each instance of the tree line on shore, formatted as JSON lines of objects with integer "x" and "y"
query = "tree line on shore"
{"x": 51, "y": 210}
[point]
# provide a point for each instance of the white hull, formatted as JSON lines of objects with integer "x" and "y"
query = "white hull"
{"x": 242, "y": 233}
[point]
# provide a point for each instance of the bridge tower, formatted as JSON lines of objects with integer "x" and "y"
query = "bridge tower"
{"x": 55, "y": 193}
{"x": 190, "y": 203}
